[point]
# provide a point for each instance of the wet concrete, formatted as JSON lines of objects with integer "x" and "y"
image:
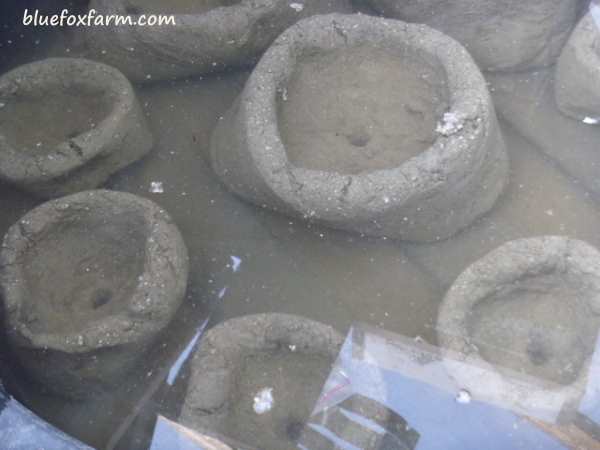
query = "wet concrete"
{"x": 540, "y": 199}
{"x": 247, "y": 260}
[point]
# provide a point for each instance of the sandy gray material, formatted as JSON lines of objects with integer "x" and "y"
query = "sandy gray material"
{"x": 219, "y": 377}
{"x": 88, "y": 282}
{"x": 233, "y": 35}
{"x": 577, "y": 85}
{"x": 527, "y": 101}
{"x": 428, "y": 197}
{"x": 504, "y": 35}
{"x": 530, "y": 307}
{"x": 66, "y": 125}
{"x": 549, "y": 203}
{"x": 360, "y": 109}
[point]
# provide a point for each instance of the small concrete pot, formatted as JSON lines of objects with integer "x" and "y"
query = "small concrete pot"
{"x": 208, "y": 36}
{"x": 257, "y": 378}
{"x": 577, "y": 82}
{"x": 368, "y": 125}
{"x": 66, "y": 125}
{"x": 528, "y": 310}
{"x": 88, "y": 282}
{"x": 502, "y": 35}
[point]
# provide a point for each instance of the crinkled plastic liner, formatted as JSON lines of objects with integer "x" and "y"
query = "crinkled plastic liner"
{"x": 387, "y": 391}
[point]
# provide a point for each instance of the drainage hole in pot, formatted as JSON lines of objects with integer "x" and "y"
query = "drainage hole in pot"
{"x": 358, "y": 139}
{"x": 293, "y": 429}
{"x": 536, "y": 350}
{"x": 101, "y": 297}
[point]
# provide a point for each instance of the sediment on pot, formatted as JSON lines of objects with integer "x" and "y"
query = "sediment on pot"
{"x": 577, "y": 80}
{"x": 89, "y": 281}
{"x": 414, "y": 153}
{"x": 530, "y": 307}
{"x": 66, "y": 125}
{"x": 207, "y": 36}
{"x": 538, "y": 29}
{"x": 257, "y": 378}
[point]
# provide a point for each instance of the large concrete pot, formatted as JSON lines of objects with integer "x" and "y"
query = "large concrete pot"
{"x": 88, "y": 283}
{"x": 208, "y": 36}
{"x": 530, "y": 308}
{"x": 240, "y": 358}
{"x": 365, "y": 124}
{"x": 577, "y": 83}
{"x": 502, "y": 35}
{"x": 66, "y": 125}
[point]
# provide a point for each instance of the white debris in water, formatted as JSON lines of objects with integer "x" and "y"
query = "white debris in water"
{"x": 156, "y": 187}
{"x": 463, "y": 397}
{"x": 297, "y": 6}
{"x": 591, "y": 120}
{"x": 263, "y": 401}
{"x": 292, "y": 348}
{"x": 185, "y": 354}
{"x": 2, "y": 105}
{"x": 451, "y": 123}
{"x": 549, "y": 212}
{"x": 235, "y": 263}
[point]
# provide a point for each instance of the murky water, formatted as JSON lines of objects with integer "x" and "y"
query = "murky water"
{"x": 245, "y": 259}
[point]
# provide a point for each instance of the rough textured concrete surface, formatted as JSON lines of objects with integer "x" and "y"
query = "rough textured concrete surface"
{"x": 88, "y": 282}
{"x": 427, "y": 196}
{"x": 66, "y": 125}
{"x": 577, "y": 83}
{"x": 208, "y": 36}
{"x": 529, "y": 308}
{"x": 241, "y": 357}
{"x": 500, "y": 34}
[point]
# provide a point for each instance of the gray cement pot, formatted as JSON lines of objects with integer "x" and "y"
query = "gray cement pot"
{"x": 209, "y": 35}
{"x": 577, "y": 83}
{"x": 290, "y": 354}
{"x": 88, "y": 283}
{"x": 528, "y": 310}
{"x": 66, "y": 125}
{"x": 296, "y": 139}
{"x": 505, "y": 35}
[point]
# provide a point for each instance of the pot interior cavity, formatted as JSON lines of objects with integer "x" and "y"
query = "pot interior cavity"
{"x": 175, "y": 6}
{"x": 361, "y": 108}
{"x": 541, "y": 326}
{"x": 82, "y": 270}
{"x": 295, "y": 379}
{"x": 36, "y": 122}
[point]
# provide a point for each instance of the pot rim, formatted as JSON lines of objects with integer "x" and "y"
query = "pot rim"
{"x": 21, "y": 167}
{"x": 164, "y": 275}
{"x": 488, "y": 273}
{"x": 422, "y": 176}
